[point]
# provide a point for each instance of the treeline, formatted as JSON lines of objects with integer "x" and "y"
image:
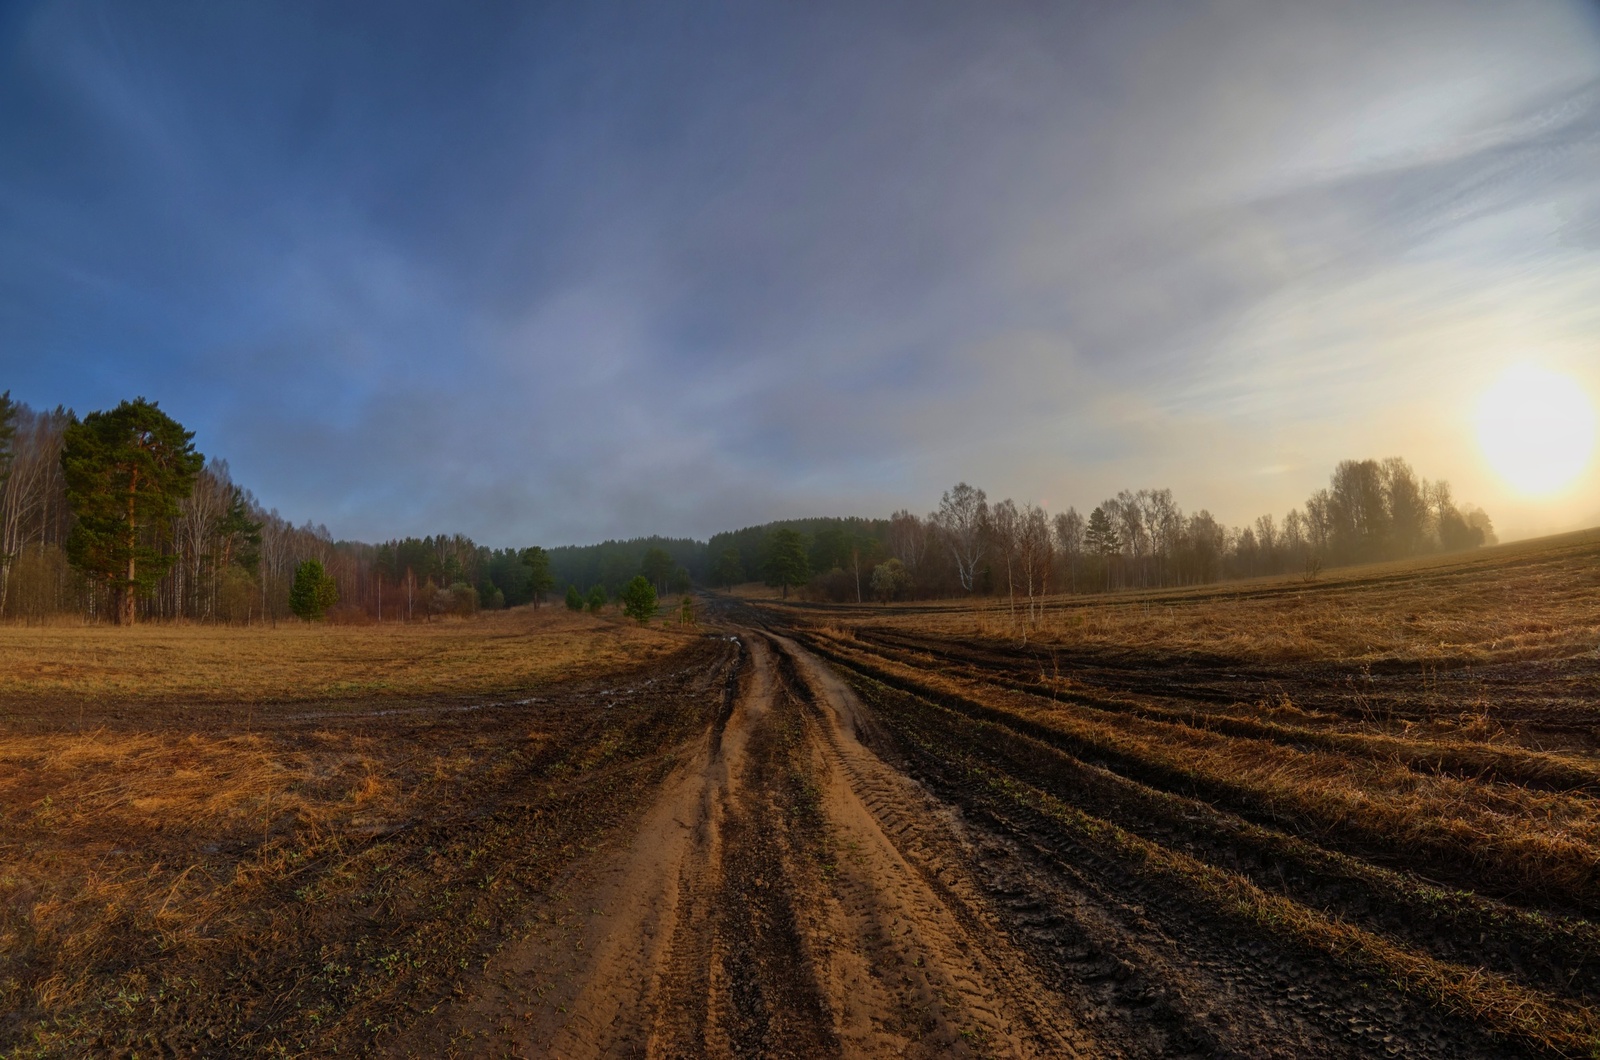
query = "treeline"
{"x": 736, "y": 556}
{"x": 200, "y": 546}
{"x": 1371, "y": 510}
{"x": 205, "y": 558}
{"x": 116, "y": 516}
{"x": 669, "y": 563}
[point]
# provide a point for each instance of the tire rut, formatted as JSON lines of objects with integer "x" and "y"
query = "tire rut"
{"x": 839, "y": 868}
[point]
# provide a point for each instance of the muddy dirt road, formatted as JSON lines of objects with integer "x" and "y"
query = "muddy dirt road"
{"x": 834, "y": 871}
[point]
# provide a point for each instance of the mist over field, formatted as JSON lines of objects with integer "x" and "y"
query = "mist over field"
{"x": 561, "y": 275}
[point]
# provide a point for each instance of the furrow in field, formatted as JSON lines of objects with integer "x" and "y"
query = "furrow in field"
{"x": 1257, "y": 947}
{"x": 1509, "y": 843}
{"x": 1041, "y": 674}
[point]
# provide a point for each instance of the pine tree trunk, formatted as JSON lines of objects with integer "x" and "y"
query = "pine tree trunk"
{"x": 125, "y": 610}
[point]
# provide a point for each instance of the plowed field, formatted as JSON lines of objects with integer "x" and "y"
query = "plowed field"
{"x": 1125, "y": 828}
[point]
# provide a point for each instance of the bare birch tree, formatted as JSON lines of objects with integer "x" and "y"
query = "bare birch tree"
{"x": 1034, "y": 555}
{"x": 1004, "y": 528}
{"x": 908, "y": 539}
{"x": 1069, "y": 537}
{"x": 31, "y": 488}
{"x": 961, "y": 518}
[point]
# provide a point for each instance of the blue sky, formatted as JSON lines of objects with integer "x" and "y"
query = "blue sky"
{"x": 554, "y": 273}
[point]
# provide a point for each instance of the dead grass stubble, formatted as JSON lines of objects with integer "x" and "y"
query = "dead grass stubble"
{"x": 1526, "y": 601}
{"x": 1317, "y": 713}
{"x": 154, "y": 878}
{"x": 297, "y": 662}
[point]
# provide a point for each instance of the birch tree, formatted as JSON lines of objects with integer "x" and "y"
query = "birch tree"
{"x": 908, "y": 539}
{"x": 32, "y": 495}
{"x": 961, "y": 518}
{"x": 1004, "y": 530}
{"x": 1069, "y": 536}
{"x": 1033, "y": 557}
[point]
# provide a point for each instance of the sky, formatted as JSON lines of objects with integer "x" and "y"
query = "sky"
{"x": 551, "y": 273}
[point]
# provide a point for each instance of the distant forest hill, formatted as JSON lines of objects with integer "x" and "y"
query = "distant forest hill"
{"x": 1371, "y": 510}
{"x": 76, "y": 536}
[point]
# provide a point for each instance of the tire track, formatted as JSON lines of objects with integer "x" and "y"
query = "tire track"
{"x": 961, "y": 984}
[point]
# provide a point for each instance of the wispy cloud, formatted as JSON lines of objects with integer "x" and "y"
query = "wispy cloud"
{"x": 544, "y": 275}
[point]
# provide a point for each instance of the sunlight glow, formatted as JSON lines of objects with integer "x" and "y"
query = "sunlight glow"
{"x": 1536, "y": 428}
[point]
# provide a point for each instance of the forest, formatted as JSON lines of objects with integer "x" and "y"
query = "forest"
{"x": 1370, "y": 511}
{"x": 209, "y": 550}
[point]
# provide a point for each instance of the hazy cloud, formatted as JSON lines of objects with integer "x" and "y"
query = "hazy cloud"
{"x": 555, "y": 275}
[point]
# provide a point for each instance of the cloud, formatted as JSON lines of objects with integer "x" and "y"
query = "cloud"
{"x": 554, "y": 276}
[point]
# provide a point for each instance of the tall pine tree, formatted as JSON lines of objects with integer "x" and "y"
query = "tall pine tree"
{"x": 786, "y": 560}
{"x": 126, "y": 472}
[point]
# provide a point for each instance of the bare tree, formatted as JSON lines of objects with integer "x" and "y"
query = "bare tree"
{"x": 1069, "y": 535}
{"x": 1165, "y": 522}
{"x": 1004, "y": 529}
{"x": 1129, "y": 519}
{"x": 1358, "y": 511}
{"x": 908, "y": 539}
{"x": 1033, "y": 555}
{"x": 961, "y": 518}
{"x": 1267, "y": 540}
{"x": 1319, "y": 518}
{"x": 1408, "y": 508}
{"x": 32, "y": 498}
{"x": 277, "y": 563}
{"x": 1293, "y": 540}
{"x": 198, "y": 527}
{"x": 1208, "y": 540}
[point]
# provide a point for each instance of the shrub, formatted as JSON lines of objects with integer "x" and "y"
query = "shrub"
{"x": 639, "y": 599}
{"x": 463, "y": 599}
{"x": 313, "y": 591}
{"x": 890, "y": 579}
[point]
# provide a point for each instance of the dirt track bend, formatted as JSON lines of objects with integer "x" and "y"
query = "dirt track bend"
{"x": 794, "y": 892}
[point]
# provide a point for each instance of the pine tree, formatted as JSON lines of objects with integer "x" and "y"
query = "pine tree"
{"x": 313, "y": 592}
{"x": 540, "y": 580}
{"x": 1100, "y": 538}
{"x": 786, "y": 560}
{"x": 729, "y": 570}
{"x": 125, "y": 473}
{"x": 639, "y": 599}
{"x": 656, "y": 566}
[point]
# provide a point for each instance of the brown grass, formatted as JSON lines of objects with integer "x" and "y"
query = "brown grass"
{"x": 299, "y": 662}
{"x": 150, "y": 856}
{"x": 1303, "y": 759}
{"x": 1519, "y": 839}
{"x": 1530, "y": 600}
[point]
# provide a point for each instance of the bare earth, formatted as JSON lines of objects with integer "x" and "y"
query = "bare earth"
{"x": 790, "y": 894}
{"x": 813, "y": 830}
{"x": 809, "y": 883}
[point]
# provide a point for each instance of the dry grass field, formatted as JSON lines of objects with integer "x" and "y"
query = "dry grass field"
{"x": 1394, "y": 769}
{"x": 295, "y": 662}
{"x": 1528, "y": 600}
{"x": 1352, "y": 817}
{"x": 275, "y": 841}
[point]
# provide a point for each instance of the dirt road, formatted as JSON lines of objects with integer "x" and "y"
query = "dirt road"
{"x": 788, "y": 895}
{"x": 824, "y": 878}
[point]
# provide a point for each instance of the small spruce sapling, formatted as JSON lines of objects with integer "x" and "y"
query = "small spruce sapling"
{"x": 313, "y": 592}
{"x": 639, "y": 599}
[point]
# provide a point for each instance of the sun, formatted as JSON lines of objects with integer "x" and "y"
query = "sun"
{"x": 1536, "y": 428}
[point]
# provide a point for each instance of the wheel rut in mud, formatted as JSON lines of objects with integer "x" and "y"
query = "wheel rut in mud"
{"x": 844, "y": 866}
